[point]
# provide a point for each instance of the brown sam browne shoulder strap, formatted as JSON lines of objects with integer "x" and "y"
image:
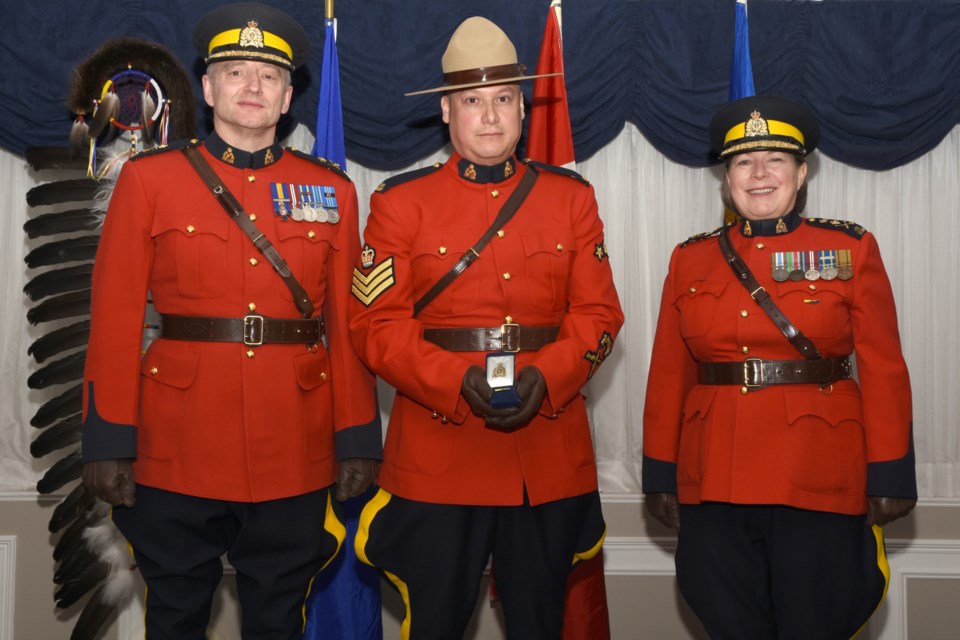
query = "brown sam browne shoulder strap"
{"x": 506, "y": 212}
{"x": 801, "y": 342}
{"x": 235, "y": 210}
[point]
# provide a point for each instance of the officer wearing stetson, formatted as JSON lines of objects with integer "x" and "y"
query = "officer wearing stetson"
{"x": 775, "y": 462}
{"x": 239, "y": 418}
{"x": 488, "y": 451}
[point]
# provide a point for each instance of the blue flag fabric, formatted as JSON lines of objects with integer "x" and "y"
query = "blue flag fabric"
{"x": 741, "y": 74}
{"x": 344, "y": 602}
{"x": 329, "y": 142}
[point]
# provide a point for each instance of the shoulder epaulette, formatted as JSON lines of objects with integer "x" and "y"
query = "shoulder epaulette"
{"x": 323, "y": 162}
{"x": 555, "y": 169}
{"x": 852, "y": 229}
{"x": 703, "y": 236}
{"x": 407, "y": 176}
{"x": 163, "y": 148}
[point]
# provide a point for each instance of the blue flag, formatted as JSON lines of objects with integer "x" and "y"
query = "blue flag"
{"x": 741, "y": 74}
{"x": 329, "y": 142}
{"x": 344, "y": 602}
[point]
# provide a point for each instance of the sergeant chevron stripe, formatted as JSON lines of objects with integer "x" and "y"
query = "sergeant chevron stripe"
{"x": 367, "y": 288}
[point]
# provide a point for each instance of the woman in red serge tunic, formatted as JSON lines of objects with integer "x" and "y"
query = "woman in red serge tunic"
{"x": 778, "y": 467}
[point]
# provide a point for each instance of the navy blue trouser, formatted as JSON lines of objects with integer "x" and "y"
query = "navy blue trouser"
{"x": 276, "y": 548}
{"x": 773, "y": 572}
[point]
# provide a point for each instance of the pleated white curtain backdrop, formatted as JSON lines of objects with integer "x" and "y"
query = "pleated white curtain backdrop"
{"x": 649, "y": 204}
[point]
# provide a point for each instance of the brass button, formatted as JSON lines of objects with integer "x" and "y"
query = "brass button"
{"x": 250, "y": 353}
{"x": 252, "y": 306}
{"x": 442, "y": 251}
{"x": 744, "y": 390}
{"x": 559, "y": 247}
{"x": 311, "y": 234}
{"x": 813, "y": 287}
{"x": 443, "y": 420}
{"x": 760, "y": 245}
{"x": 693, "y": 289}
{"x": 191, "y": 228}
{"x": 495, "y": 193}
{"x": 744, "y": 349}
{"x": 744, "y": 313}
{"x": 252, "y": 178}
{"x": 509, "y": 319}
{"x": 506, "y": 276}
{"x": 501, "y": 233}
{"x": 435, "y": 415}
{"x": 154, "y": 371}
{"x": 254, "y": 262}
{"x": 253, "y": 217}
{"x": 323, "y": 375}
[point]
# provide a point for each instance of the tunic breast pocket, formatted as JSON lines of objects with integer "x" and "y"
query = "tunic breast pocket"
{"x": 431, "y": 258}
{"x": 697, "y": 301}
{"x": 305, "y": 248}
{"x": 819, "y": 309}
{"x": 191, "y": 254}
{"x": 549, "y": 256}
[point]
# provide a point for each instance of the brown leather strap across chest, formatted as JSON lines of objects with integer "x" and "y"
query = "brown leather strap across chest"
{"x": 252, "y": 330}
{"x": 506, "y": 337}
{"x": 754, "y": 373}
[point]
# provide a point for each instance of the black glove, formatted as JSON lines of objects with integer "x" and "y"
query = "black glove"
{"x": 664, "y": 507}
{"x": 354, "y": 475}
{"x": 531, "y": 386}
{"x": 881, "y": 511}
{"x": 477, "y": 392}
{"x": 111, "y": 480}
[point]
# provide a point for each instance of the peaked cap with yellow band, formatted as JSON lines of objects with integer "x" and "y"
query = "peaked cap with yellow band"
{"x": 479, "y": 53}
{"x": 763, "y": 123}
{"x": 251, "y": 31}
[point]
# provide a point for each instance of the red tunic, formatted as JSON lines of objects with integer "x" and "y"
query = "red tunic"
{"x": 788, "y": 444}
{"x": 214, "y": 419}
{"x": 548, "y": 268}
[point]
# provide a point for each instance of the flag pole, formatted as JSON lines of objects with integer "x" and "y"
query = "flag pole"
{"x": 328, "y": 9}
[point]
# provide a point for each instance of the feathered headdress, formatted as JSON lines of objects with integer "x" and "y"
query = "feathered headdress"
{"x": 135, "y": 95}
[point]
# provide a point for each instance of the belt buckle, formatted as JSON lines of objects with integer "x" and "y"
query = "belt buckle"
{"x": 753, "y": 373}
{"x": 253, "y": 330}
{"x": 512, "y": 330}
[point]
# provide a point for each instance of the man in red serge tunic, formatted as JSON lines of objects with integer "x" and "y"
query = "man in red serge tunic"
{"x": 462, "y": 476}
{"x": 238, "y": 420}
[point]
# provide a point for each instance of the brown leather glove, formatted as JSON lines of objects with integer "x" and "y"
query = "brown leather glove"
{"x": 111, "y": 480}
{"x": 354, "y": 475}
{"x": 664, "y": 507}
{"x": 531, "y": 387}
{"x": 476, "y": 391}
{"x": 881, "y": 511}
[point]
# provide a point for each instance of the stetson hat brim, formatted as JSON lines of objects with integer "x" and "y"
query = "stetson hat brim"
{"x": 481, "y": 83}
{"x": 479, "y": 53}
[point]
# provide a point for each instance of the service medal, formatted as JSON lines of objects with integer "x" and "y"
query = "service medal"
{"x": 812, "y": 273}
{"x": 828, "y": 261}
{"x": 796, "y": 266}
{"x": 779, "y": 273}
{"x": 845, "y": 270}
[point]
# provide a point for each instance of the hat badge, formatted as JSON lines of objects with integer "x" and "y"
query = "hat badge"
{"x": 251, "y": 35}
{"x": 756, "y": 126}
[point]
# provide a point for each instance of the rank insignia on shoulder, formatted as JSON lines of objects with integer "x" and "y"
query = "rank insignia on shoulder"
{"x": 600, "y": 250}
{"x": 703, "y": 236}
{"x": 852, "y": 229}
{"x": 323, "y": 162}
{"x": 596, "y": 358}
{"x": 370, "y": 286}
{"x": 407, "y": 176}
{"x": 163, "y": 148}
{"x": 555, "y": 169}
{"x": 305, "y": 202}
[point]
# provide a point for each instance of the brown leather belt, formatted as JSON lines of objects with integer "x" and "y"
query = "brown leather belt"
{"x": 754, "y": 373}
{"x": 252, "y": 330}
{"x": 506, "y": 337}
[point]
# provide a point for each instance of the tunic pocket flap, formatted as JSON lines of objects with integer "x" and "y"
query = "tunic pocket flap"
{"x": 170, "y": 365}
{"x": 191, "y": 225}
{"x": 695, "y": 288}
{"x": 308, "y": 232}
{"x": 834, "y": 407}
{"x": 311, "y": 370}
{"x": 555, "y": 243}
{"x": 699, "y": 401}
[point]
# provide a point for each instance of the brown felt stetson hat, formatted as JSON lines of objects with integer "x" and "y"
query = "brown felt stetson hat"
{"x": 479, "y": 53}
